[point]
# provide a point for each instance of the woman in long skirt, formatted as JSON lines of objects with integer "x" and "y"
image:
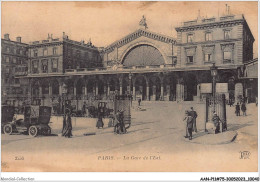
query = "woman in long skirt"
{"x": 100, "y": 123}
{"x": 67, "y": 125}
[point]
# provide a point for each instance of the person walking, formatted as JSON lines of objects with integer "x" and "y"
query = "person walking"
{"x": 194, "y": 115}
{"x": 185, "y": 124}
{"x": 189, "y": 125}
{"x": 139, "y": 101}
{"x": 84, "y": 109}
{"x": 243, "y": 108}
{"x": 237, "y": 109}
{"x": 67, "y": 125}
{"x": 100, "y": 122}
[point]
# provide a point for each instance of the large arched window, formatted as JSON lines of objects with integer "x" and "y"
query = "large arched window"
{"x": 143, "y": 55}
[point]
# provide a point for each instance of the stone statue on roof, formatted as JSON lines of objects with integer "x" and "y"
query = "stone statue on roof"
{"x": 143, "y": 23}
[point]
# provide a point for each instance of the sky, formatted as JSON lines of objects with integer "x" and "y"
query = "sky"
{"x": 106, "y": 22}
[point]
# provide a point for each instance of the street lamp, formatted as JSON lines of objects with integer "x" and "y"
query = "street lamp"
{"x": 130, "y": 82}
{"x": 64, "y": 92}
{"x": 214, "y": 73}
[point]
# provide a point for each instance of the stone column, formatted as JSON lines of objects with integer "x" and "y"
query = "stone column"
{"x": 134, "y": 96}
{"x": 238, "y": 92}
{"x": 198, "y": 93}
{"x": 74, "y": 90}
{"x": 147, "y": 93}
{"x": 168, "y": 92}
{"x": 40, "y": 91}
{"x": 162, "y": 92}
{"x": 96, "y": 89}
{"x": 108, "y": 89}
{"x": 50, "y": 90}
{"x": 105, "y": 89}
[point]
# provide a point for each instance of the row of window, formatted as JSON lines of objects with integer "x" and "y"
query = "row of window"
{"x": 11, "y": 81}
{"x": 45, "y": 52}
{"x": 208, "y": 57}
{"x": 19, "y": 51}
{"x": 13, "y": 60}
{"x": 14, "y": 91}
{"x": 44, "y": 66}
{"x": 208, "y": 36}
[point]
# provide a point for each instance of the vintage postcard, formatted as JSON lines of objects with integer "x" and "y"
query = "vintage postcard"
{"x": 129, "y": 86}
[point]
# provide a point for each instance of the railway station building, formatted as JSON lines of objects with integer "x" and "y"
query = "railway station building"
{"x": 148, "y": 65}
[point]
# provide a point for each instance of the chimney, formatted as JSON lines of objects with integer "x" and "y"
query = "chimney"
{"x": 19, "y": 39}
{"x": 6, "y": 36}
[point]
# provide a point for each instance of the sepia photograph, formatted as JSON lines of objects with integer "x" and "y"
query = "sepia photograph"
{"x": 141, "y": 86}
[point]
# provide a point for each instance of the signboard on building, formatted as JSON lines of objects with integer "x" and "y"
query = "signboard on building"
{"x": 221, "y": 87}
{"x": 206, "y": 88}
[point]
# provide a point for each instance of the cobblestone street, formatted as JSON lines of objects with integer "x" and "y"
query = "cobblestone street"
{"x": 156, "y": 135}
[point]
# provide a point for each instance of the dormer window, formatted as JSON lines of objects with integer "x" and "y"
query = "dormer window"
{"x": 208, "y": 36}
{"x": 190, "y": 38}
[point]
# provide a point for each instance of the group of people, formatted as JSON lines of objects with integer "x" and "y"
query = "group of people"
{"x": 190, "y": 122}
{"x": 242, "y": 107}
{"x": 116, "y": 121}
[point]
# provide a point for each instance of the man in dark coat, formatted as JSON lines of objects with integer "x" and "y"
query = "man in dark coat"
{"x": 194, "y": 116}
{"x": 189, "y": 125}
{"x": 243, "y": 108}
{"x": 238, "y": 109}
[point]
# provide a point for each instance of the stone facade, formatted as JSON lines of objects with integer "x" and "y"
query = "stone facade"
{"x": 148, "y": 65}
{"x": 13, "y": 63}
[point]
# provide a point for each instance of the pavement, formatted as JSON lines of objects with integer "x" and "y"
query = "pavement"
{"x": 157, "y": 130}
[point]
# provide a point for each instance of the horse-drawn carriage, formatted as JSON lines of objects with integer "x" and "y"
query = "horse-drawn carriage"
{"x": 35, "y": 122}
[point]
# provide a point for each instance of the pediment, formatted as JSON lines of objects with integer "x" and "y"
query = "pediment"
{"x": 139, "y": 33}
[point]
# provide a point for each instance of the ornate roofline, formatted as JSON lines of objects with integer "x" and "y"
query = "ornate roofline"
{"x": 138, "y": 33}
{"x": 210, "y": 25}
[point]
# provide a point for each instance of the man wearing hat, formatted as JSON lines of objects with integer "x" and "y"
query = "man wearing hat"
{"x": 189, "y": 124}
{"x": 194, "y": 116}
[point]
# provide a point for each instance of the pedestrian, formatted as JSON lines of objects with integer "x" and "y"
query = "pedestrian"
{"x": 256, "y": 101}
{"x": 139, "y": 101}
{"x": 116, "y": 122}
{"x": 243, "y": 108}
{"x": 216, "y": 120}
{"x": 100, "y": 123}
{"x": 111, "y": 121}
{"x": 189, "y": 125}
{"x": 185, "y": 124}
{"x": 67, "y": 125}
{"x": 194, "y": 115}
{"x": 230, "y": 102}
{"x": 237, "y": 109}
{"x": 84, "y": 109}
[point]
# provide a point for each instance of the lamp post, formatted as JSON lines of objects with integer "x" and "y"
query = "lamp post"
{"x": 214, "y": 73}
{"x": 130, "y": 82}
{"x": 64, "y": 92}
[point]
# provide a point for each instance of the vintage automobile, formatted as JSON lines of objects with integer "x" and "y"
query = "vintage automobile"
{"x": 35, "y": 122}
{"x": 7, "y": 117}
